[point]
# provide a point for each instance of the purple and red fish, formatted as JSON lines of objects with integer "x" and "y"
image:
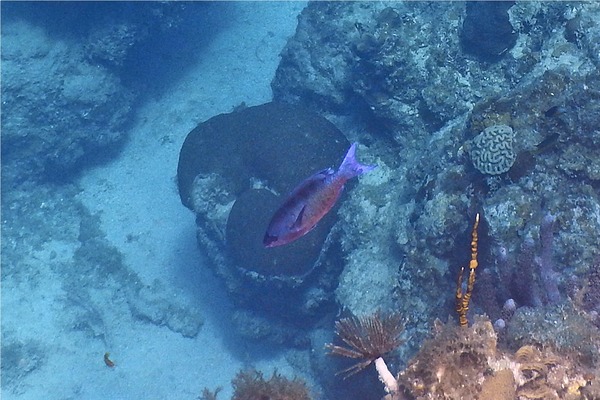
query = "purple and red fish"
{"x": 311, "y": 200}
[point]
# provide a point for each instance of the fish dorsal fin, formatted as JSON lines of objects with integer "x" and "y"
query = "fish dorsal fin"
{"x": 326, "y": 171}
{"x": 298, "y": 223}
{"x": 310, "y": 183}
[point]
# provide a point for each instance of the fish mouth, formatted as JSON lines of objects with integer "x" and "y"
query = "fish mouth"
{"x": 270, "y": 240}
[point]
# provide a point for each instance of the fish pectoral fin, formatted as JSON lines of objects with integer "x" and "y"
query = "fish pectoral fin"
{"x": 298, "y": 222}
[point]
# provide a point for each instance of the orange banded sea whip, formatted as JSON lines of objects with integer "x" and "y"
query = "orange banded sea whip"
{"x": 311, "y": 200}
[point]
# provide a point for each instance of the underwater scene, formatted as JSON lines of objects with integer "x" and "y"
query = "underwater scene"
{"x": 290, "y": 200}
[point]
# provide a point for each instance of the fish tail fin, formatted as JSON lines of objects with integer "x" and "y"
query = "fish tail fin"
{"x": 350, "y": 167}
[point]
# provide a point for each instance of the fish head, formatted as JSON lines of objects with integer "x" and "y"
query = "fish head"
{"x": 274, "y": 240}
{"x": 270, "y": 240}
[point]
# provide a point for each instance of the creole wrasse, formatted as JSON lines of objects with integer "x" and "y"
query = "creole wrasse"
{"x": 311, "y": 200}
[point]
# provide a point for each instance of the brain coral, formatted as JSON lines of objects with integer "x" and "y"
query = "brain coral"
{"x": 492, "y": 150}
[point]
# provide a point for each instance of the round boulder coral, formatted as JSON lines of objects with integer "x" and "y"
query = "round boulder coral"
{"x": 234, "y": 171}
{"x": 271, "y": 147}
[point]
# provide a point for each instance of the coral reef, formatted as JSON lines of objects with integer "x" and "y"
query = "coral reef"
{"x": 460, "y": 363}
{"x": 587, "y": 297}
{"x": 402, "y": 73}
{"x": 430, "y": 187}
{"x": 467, "y": 362}
{"x": 556, "y": 356}
{"x": 450, "y": 363}
{"x": 561, "y": 327}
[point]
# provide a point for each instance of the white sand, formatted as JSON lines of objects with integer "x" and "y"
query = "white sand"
{"x": 137, "y": 198}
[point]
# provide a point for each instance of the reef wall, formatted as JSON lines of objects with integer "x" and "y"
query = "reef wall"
{"x": 512, "y": 134}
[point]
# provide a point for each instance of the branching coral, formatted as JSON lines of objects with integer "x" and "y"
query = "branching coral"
{"x": 464, "y": 298}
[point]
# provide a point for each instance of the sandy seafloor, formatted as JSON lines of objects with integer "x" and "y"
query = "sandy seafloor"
{"x": 136, "y": 196}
